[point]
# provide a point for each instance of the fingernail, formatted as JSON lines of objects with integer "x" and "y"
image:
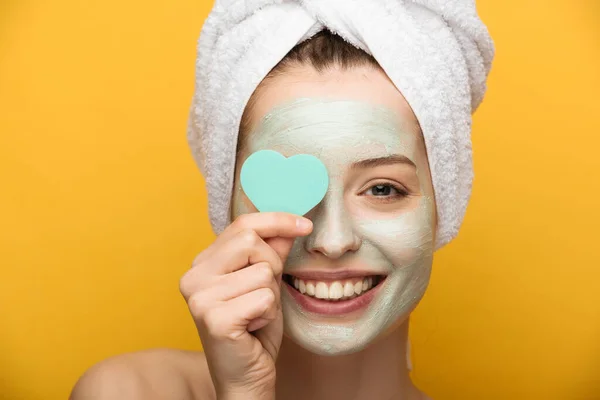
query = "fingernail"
{"x": 303, "y": 223}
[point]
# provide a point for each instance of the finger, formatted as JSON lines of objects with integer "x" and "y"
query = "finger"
{"x": 270, "y": 224}
{"x": 266, "y": 224}
{"x": 257, "y": 324}
{"x": 245, "y": 248}
{"x": 206, "y": 273}
{"x": 282, "y": 246}
{"x": 230, "y": 319}
{"x": 243, "y": 281}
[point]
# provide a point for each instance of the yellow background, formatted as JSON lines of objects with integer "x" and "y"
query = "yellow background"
{"x": 102, "y": 208}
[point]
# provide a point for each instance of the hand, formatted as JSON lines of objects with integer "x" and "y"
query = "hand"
{"x": 233, "y": 289}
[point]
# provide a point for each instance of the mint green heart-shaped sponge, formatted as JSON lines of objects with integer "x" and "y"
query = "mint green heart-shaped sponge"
{"x": 273, "y": 182}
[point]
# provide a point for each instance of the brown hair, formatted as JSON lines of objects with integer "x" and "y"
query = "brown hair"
{"x": 322, "y": 51}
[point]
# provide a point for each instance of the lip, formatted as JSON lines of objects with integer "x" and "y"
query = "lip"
{"x": 324, "y": 307}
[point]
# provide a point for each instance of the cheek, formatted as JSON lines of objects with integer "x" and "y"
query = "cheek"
{"x": 240, "y": 204}
{"x": 405, "y": 239}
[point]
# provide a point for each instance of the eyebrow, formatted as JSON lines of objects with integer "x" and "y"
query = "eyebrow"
{"x": 379, "y": 161}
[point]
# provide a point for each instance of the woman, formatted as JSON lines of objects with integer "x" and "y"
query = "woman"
{"x": 361, "y": 259}
{"x": 293, "y": 307}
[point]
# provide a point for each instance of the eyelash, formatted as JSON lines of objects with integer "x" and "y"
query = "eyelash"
{"x": 401, "y": 193}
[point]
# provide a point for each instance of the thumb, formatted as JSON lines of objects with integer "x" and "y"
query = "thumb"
{"x": 281, "y": 245}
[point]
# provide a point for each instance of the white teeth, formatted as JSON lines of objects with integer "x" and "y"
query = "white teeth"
{"x": 358, "y": 287}
{"x": 321, "y": 291}
{"x": 302, "y": 287}
{"x": 348, "y": 289}
{"x": 337, "y": 290}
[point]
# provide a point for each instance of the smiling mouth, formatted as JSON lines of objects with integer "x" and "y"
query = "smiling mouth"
{"x": 334, "y": 290}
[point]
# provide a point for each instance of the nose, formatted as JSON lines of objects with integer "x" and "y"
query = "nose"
{"x": 333, "y": 234}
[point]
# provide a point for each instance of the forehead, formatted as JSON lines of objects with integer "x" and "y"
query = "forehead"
{"x": 365, "y": 84}
{"x": 328, "y": 128}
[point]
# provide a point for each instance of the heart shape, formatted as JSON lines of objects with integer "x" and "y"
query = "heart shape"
{"x": 273, "y": 182}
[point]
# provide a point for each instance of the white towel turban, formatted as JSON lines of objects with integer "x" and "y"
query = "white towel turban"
{"x": 438, "y": 53}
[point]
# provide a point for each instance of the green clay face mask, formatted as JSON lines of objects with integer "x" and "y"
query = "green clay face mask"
{"x": 352, "y": 231}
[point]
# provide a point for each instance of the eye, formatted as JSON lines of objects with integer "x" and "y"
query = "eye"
{"x": 385, "y": 190}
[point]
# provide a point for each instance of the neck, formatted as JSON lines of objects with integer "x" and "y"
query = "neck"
{"x": 378, "y": 372}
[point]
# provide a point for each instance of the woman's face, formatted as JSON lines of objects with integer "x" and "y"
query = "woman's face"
{"x": 367, "y": 263}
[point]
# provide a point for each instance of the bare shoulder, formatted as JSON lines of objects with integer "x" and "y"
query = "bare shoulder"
{"x": 154, "y": 374}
